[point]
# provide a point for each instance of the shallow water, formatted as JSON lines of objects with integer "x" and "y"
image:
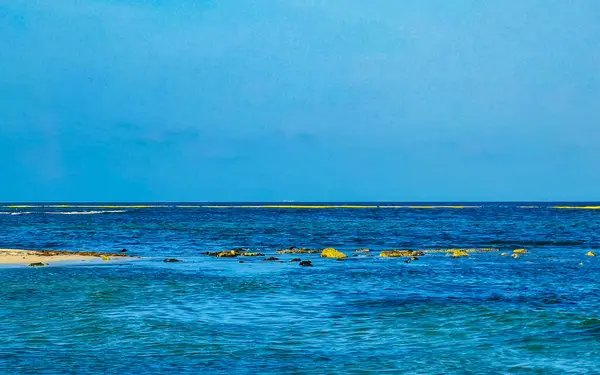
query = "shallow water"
{"x": 539, "y": 314}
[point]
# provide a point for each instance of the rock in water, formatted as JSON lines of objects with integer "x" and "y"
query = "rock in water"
{"x": 296, "y": 260}
{"x": 38, "y": 264}
{"x": 248, "y": 254}
{"x": 515, "y": 256}
{"x": 591, "y": 254}
{"x": 306, "y": 263}
{"x": 333, "y": 253}
{"x": 504, "y": 254}
{"x": 362, "y": 251}
{"x": 227, "y": 254}
{"x": 104, "y": 257}
{"x": 171, "y": 260}
{"x": 295, "y": 250}
{"x": 459, "y": 254}
{"x": 124, "y": 250}
{"x": 520, "y": 251}
{"x": 271, "y": 259}
{"x": 400, "y": 253}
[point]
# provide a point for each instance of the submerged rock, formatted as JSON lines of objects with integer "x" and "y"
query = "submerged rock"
{"x": 124, "y": 251}
{"x": 504, "y": 254}
{"x": 520, "y": 251}
{"x": 591, "y": 254}
{"x": 171, "y": 260}
{"x": 332, "y": 253}
{"x": 296, "y": 260}
{"x": 269, "y": 259}
{"x": 407, "y": 261}
{"x": 241, "y": 261}
{"x": 38, "y": 264}
{"x": 306, "y": 263}
{"x": 400, "y": 253}
{"x": 414, "y": 258}
{"x": 516, "y": 255}
{"x": 362, "y": 251}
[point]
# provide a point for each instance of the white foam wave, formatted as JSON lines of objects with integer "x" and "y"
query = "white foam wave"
{"x": 15, "y": 213}
{"x": 85, "y": 212}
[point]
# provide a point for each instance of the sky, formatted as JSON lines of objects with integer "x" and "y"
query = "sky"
{"x": 305, "y": 100}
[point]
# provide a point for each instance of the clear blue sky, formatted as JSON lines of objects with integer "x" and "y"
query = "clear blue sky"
{"x": 310, "y": 100}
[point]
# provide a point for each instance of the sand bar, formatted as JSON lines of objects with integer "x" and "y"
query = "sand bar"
{"x": 14, "y": 256}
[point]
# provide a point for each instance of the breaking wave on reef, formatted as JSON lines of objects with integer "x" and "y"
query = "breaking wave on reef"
{"x": 85, "y": 212}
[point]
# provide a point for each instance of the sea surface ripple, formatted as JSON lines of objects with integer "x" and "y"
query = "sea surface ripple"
{"x": 484, "y": 314}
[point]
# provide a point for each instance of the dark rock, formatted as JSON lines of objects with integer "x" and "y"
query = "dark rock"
{"x": 241, "y": 261}
{"x": 171, "y": 260}
{"x": 414, "y": 258}
{"x": 38, "y": 264}
{"x": 271, "y": 259}
{"x": 306, "y": 263}
{"x": 124, "y": 250}
{"x": 407, "y": 261}
{"x": 296, "y": 260}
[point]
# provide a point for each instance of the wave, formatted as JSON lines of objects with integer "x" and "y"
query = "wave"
{"x": 85, "y": 212}
{"x": 15, "y": 213}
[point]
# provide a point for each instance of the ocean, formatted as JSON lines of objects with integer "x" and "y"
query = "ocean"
{"x": 481, "y": 314}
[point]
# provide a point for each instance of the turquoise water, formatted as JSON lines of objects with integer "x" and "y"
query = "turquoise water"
{"x": 539, "y": 314}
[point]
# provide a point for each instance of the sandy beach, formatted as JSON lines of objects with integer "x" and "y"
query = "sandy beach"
{"x": 15, "y": 256}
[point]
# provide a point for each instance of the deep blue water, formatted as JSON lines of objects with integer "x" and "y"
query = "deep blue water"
{"x": 539, "y": 314}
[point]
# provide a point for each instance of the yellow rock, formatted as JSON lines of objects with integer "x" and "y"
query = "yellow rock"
{"x": 520, "y": 251}
{"x": 104, "y": 257}
{"x": 504, "y": 254}
{"x": 333, "y": 253}
{"x": 515, "y": 256}
{"x": 591, "y": 254}
{"x": 227, "y": 254}
{"x": 459, "y": 253}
